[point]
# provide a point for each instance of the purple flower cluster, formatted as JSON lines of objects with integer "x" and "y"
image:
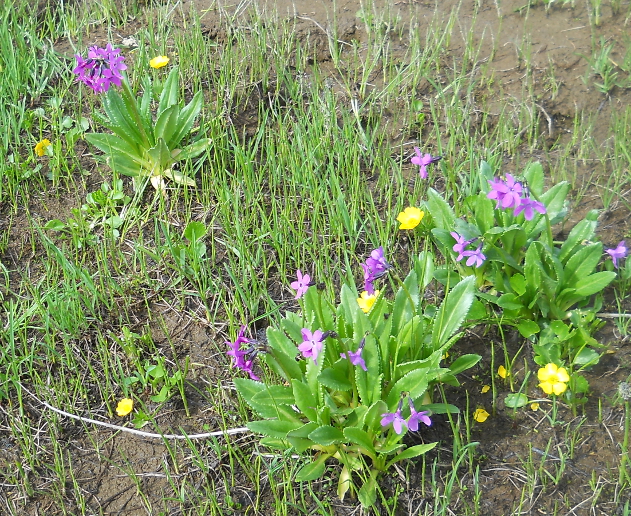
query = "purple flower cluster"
{"x": 242, "y": 358}
{"x": 375, "y": 267}
{"x": 475, "y": 257}
{"x": 508, "y": 194}
{"x": 102, "y": 67}
{"x": 618, "y": 253}
{"x": 423, "y": 161}
{"x": 399, "y": 423}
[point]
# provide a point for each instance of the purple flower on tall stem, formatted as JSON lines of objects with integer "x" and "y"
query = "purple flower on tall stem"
{"x": 475, "y": 257}
{"x": 102, "y": 68}
{"x": 312, "y": 344}
{"x": 423, "y": 161}
{"x": 507, "y": 193}
{"x": 415, "y": 417}
{"x": 618, "y": 253}
{"x": 395, "y": 418}
{"x": 529, "y": 206}
{"x": 356, "y": 356}
{"x": 301, "y": 285}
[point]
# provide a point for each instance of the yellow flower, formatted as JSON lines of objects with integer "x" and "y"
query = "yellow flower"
{"x": 502, "y": 372}
{"x": 40, "y": 148}
{"x": 553, "y": 379}
{"x": 480, "y": 415}
{"x": 534, "y": 406}
{"x": 410, "y": 218}
{"x": 366, "y": 300}
{"x": 124, "y": 407}
{"x": 159, "y": 62}
{"x": 485, "y": 389}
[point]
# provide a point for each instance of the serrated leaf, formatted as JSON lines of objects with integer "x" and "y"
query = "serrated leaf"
{"x": 326, "y": 436}
{"x": 335, "y": 378}
{"x": 305, "y": 399}
{"x": 275, "y": 395}
{"x": 169, "y": 94}
{"x": 452, "y": 312}
{"x": 362, "y": 439}
{"x": 193, "y": 150}
{"x": 594, "y": 283}
{"x": 406, "y": 301}
{"x": 247, "y": 389}
{"x": 582, "y": 263}
{"x": 442, "y": 213}
{"x": 415, "y": 383}
{"x": 312, "y": 470}
{"x": 186, "y": 119}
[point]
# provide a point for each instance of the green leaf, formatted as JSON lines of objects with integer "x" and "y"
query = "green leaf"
{"x": 248, "y": 389}
{"x": 312, "y": 470}
{"x": 193, "y": 150}
{"x": 160, "y": 158}
{"x": 326, "y": 436}
{"x": 335, "y": 378}
{"x": 585, "y": 230}
{"x": 582, "y": 264}
{"x": 362, "y": 439}
{"x": 463, "y": 363}
{"x": 452, "y": 312}
{"x": 186, "y": 119}
{"x": 415, "y": 383}
{"x": 518, "y": 284}
{"x": 405, "y": 302}
{"x": 166, "y": 124}
{"x": 305, "y": 399}
{"x": 273, "y": 427}
{"x": 111, "y": 144}
{"x": 120, "y": 122}
{"x": 121, "y": 164}
{"x": 534, "y": 178}
{"x": 55, "y": 225}
{"x": 586, "y": 356}
{"x": 275, "y": 395}
{"x": 594, "y": 283}
{"x": 424, "y": 267}
{"x": 411, "y": 452}
{"x": 509, "y": 302}
{"x": 169, "y": 95}
{"x": 516, "y": 400}
{"x": 368, "y": 493}
{"x": 441, "y": 212}
{"x": 528, "y": 328}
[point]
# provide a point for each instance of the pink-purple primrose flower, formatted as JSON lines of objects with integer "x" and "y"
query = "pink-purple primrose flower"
{"x": 242, "y": 358}
{"x": 474, "y": 257}
{"x": 301, "y": 285}
{"x": 311, "y": 343}
{"x": 423, "y": 161}
{"x": 355, "y": 357}
{"x": 375, "y": 267}
{"x": 508, "y": 194}
{"x": 618, "y": 253}
{"x": 399, "y": 423}
{"x": 102, "y": 68}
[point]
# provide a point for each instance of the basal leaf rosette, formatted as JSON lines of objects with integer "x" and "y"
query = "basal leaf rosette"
{"x": 348, "y": 384}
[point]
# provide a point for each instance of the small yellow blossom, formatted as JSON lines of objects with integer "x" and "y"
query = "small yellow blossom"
{"x": 534, "y": 406}
{"x": 159, "y": 62}
{"x": 40, "y": 148}
{"x": 480, "y": 415}
{"x": 366, "y": 300}
{"x": 124, "y": 407}
{"x": 502, "y": 372}
{"x": 445, "y": 356}
{"x": 410, "y": 218}
{"x": 553, "y": 379}
{"x": 485, "y": 389}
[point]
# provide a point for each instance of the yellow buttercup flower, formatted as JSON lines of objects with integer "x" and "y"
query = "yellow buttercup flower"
{"x": 410, "y": 218}
{"x": 480, "y": 415}
{"x": 366, "y": 300}
{"x": 40, "y": 148}
{"x": 124, "y": 407}
{"x": 159, "y": 62}
{"x": 485, "y": 389}
{"x": 553, "y": 379}
{"x": 502, "y": 372}
{"x": 534, "y": 406}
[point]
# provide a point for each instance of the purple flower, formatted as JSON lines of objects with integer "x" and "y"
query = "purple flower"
{"x": 618, "y": 253}
{"x": 102, "y": 67}
{"x": 238, "y": 355}
{"x": 355, "y": 356}
{"x": 311, "y": 344}
{"x": 475, "y": 257}
{"x": 415, "y": 417}
{"x": 423, "y": 161}
{"x": 398, "y": 423}
{"x": 461, "y": 245}
{"x": 301, "y": 285}
{"x": 529, "y": 206}
{"x": 375, "y": 267}
{"x": 507, "y": 193}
